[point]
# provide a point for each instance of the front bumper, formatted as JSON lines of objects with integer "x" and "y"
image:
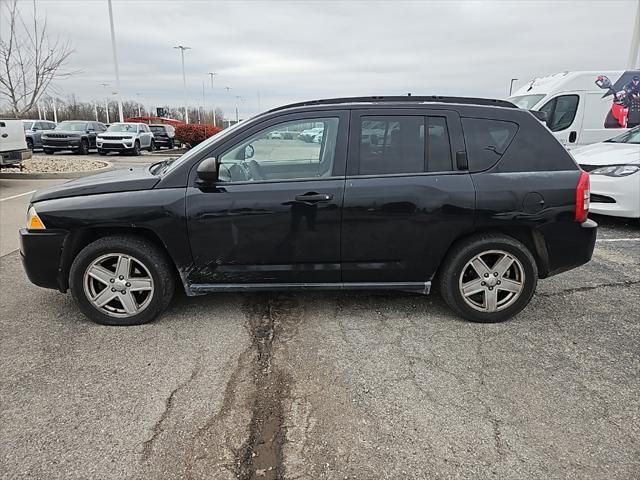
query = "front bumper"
{"x": 61, "y": 144}
{"x": 41, "y": 253}
{"x": 622, "y": 195}
{"x": 114, "y": 144}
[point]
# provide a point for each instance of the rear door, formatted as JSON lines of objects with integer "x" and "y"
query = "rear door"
{"x": 405, "y": 199}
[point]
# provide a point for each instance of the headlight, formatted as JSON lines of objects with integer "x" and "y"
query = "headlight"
{"x": 33, "y": 220}
{"x": 616, "y": 170}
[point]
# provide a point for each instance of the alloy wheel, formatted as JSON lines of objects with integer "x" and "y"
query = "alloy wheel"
{"x": 492, "y": 281}
{"x": 118, "y": 285}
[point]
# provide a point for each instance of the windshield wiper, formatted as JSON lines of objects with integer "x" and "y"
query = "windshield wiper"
{"x": 159, "y": 167}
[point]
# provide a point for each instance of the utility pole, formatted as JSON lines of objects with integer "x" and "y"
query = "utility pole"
{"x": 138, "y": 98}
{"x": 238, "y": 97}
{"x": 95, "y": 110}
{"x": 511, "y": 85}
{"x": 213, "y": 74}
{"x": 633, "y": 61}
{"x": 55, "y": 111}
{"x": 106, "y": 103}
{"x": 182, "y": 48}
{"x": 115, "y": 62}
{"x": 204, "y": 107}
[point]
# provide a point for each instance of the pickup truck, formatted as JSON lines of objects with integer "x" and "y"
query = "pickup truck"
{"x": 13, "y": 146}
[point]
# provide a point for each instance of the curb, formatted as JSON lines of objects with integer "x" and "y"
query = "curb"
{"x": 53, "y": 175}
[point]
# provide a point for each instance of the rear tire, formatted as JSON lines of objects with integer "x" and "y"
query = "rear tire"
{"x": 473, "y": 284}
{"x": 152, "y": 146}
{"x": 171, "y": 144}
{"x": 144, "y": 267}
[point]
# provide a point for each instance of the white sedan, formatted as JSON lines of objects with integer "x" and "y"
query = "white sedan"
{"x": 614, "y": 168}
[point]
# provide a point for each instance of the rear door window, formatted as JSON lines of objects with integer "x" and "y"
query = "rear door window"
{"x": 486, "y": 141}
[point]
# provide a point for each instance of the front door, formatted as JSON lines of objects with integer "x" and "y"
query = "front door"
{"x": 274, "y": 214}
{"x": 405, "y": 198}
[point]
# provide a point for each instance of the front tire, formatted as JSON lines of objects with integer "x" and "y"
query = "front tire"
{"x": 121, "y": 280}
{"x": 135, "y": 151}
{"x": 84, "y": 147}
{"x": 30, "y": 144}
{"x": 47, "y": 151}
{"x": 488, "y": 278}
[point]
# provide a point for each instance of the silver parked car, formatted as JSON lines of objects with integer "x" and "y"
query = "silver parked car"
{"x": 33, "y": 131}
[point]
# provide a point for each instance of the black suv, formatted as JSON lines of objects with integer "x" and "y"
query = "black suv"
{"x": 474, "y": 196}
{"x": 164, "y": 135}
{"x": 76, "y": 135}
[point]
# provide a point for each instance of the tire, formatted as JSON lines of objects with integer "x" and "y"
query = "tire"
{"x": 84, "y": 147}
{"x": 152, "y": 146}
{"x": 29, "y": 143}
{"x": 47, "y": 151}
{"x": 148, "y": 267}
{"x": 171, "y": 144}
{"x": 497, "y": 297}
{"x": 135, "y": 151}
{"x": 102, "y": 152}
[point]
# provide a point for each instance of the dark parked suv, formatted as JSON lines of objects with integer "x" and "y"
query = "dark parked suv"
{"x": 474, "y": 196}
{"x": 75, "y": 135}
{"x": 164, "y": 135}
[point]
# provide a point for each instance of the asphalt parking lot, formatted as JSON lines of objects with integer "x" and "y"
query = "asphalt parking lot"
{"x": 325, "y": 385}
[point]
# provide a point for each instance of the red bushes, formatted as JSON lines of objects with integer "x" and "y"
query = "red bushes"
{"x": 193, "y": 134}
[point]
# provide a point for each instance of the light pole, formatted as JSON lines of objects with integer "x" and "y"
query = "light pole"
{"x": 115, "y": 62}
{"x": 106, "y": 103}
{"x": 511, "y": 85}
{"x": 138, "y": 97}
{"x": 238, "y": 98}
{"x": 182, "y": 48}
{"x": 632, "y": 62}
{"x": 204, "y": 107}
{"x": 213, "y": 74}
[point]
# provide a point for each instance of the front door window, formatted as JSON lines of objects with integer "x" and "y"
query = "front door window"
{"x": 302, "y": 149}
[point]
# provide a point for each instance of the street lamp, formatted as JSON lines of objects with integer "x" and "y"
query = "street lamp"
{"x": 106, "y": 103}
{"x": 138, "y": 97}
{"x": 511, "y": 85}
{"x": 213, "y": 74}
{"x": 115, "y": 62}
{"x": 184, "y": 81}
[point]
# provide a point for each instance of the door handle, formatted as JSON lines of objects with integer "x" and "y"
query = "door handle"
{"x": 314, "y": 197}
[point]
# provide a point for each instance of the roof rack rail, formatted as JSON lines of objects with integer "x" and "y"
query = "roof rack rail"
{"x": 404, "y": 98}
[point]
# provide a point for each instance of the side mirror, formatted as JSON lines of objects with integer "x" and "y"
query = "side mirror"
{"x": 207, "y": 171}
{"x": 249, "y": 151}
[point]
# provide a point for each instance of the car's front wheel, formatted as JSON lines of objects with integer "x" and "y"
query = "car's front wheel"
{"x": 136, "y": 148}
{"x": 488, "y": 278}
{"x": 84, "y": 147}
{"x": 121, "y": 280}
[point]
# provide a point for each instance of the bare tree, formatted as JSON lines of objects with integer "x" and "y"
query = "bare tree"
{"x": 29, "y": 58}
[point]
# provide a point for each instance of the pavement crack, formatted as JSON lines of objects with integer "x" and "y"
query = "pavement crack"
{"x": 158, "y": 427}
{"x": 568, "y": 291}
{"x": 261, "y": 456}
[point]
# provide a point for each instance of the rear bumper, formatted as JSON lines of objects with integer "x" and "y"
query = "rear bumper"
{"x": 41, "y": 253}
{"x": 568, "y": 245}
{"x": 14, "y": 157}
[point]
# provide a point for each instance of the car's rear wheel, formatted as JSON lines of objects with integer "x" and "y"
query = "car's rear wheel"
{"x": 488, "y": 278}
{"x": 171, "y": 143}
{"x": 152, "y": 146}
{"x": 121, "y": 280}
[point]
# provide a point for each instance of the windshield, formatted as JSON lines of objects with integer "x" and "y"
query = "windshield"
{"x": 526, "y": 102}
{"x": 27, "y": 125}
{"x": 632, "y": 136}
{"x": 203, "y": 146}
{"x": 72, "y": 126}
{"x": 123, "y": 127}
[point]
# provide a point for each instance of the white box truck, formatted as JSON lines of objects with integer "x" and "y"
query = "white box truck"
{"x": 584, "y": 107}
{"x": 13, "y": 144}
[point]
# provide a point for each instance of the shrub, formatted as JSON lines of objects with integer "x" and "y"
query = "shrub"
{"x": 193, "y": 134}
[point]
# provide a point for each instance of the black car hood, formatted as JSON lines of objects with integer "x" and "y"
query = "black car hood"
{"x": 131, "y": 179}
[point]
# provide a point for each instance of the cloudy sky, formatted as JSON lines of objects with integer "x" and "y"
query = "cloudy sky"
{"x": 274, "y": 52}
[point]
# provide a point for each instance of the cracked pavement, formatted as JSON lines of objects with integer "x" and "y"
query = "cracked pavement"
{"x": 329, "y": 385}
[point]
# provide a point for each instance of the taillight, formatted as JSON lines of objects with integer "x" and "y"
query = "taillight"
{"x": 583, "y": 191}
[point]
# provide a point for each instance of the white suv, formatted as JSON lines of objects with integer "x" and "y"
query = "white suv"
{"x": 127, "y": 137}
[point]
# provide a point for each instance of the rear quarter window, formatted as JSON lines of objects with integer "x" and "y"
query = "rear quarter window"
{"x": 486, "y": 141}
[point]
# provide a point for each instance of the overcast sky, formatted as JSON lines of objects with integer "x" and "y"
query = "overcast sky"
{"x": 297, "y": 50}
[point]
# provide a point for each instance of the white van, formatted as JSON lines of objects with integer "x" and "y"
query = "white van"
{"x": 13, "y": 145}
{"x": 584, "y": 107}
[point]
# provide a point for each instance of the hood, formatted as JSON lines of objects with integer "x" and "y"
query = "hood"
{"x": 132, "y": 179}
{"x": 607, "y": 153}
{"x": 117, "y": 134}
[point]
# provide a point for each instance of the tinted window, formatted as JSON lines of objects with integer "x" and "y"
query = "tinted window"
{"x": 283, "y": 152}
{"x": 486, "y": 141}
{"x": 561, "y": 111}
{"x": 438, "y": 145}
{"x": 391, "y": 144}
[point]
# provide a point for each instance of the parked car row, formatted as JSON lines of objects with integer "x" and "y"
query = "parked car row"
{"x": 80, "y": 136}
